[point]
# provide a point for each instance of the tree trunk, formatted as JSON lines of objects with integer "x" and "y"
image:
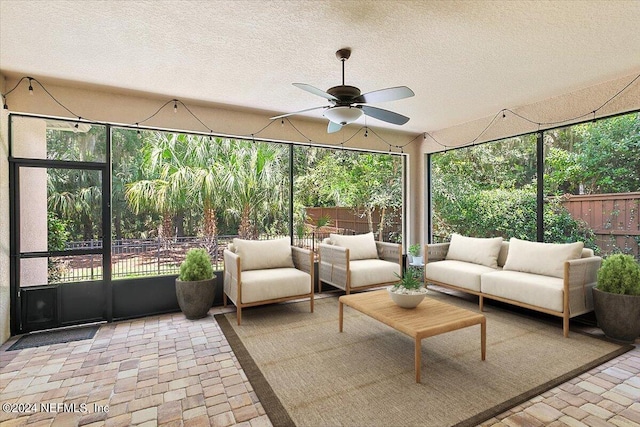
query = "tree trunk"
{"x": 179, "y": 224}
{"x": 383, "y": 212}
{"x": 246, "y": 230}
{"x": 167, "y": 226}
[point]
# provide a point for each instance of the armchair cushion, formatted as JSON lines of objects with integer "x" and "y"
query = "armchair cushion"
{"x": 476, "y": 250}
{"x": 546, "y": 259}
{"x": 263, "y": 254}
{"x": 364, "y": 272}
{"x": 361, "y": 246}
{"x": 263, "y": 285}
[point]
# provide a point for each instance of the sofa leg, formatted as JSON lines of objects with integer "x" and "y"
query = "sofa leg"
{"x": 565, "y": 326}
{"x": 481, "y": 303}
{"x": 319, "y": 286}
{"x": 224, "y": 299}
{"x": 311, "y": 303}
{"x": 239, "y": 314}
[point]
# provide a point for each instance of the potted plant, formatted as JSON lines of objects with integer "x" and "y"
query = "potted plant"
{"x": 414, "y": 251}
{"x": 616, "y": 298}
{"x": 409, "y": 291}
{"x": 196, "y": 286}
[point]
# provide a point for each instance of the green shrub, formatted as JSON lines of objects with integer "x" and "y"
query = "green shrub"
{"x": 619, "y": 274}
{"x": 196, "y": 266}
{"x": 57, "y": 237}
{"x": 507, "y": 213}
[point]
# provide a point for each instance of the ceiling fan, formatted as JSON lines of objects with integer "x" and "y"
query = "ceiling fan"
{"x": 347, "y": 104}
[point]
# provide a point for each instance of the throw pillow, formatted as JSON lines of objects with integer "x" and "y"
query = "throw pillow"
{"x": 546, "y": 259}
{"x": 361, "y": 246}
{"x": 263, "y": 254}
{"x": 476, "y": 250}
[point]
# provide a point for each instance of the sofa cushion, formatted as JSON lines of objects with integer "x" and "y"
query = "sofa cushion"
{"x": 475, "y": 250}
{"x": 457, "y": 273}
{"x": 366, "y": 272}
{"x": 533, "y": 289}
{"x": 262, "y": 285}
{"x": 541, "y": 258}
{"x": 263, "y": 254}
{"x": 361, "y": 246}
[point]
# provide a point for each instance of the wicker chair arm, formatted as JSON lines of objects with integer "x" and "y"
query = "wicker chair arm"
{"x": 232, "y": 280}
{"x": 389, "y": 252}
{"x": 334, "y": 265}
{"x": 331, "y": 254}
{"x": 435, "y": 252}
{"x": 302, "y": 259}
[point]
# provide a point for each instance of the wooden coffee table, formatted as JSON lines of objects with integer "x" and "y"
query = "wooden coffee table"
{"x": 430, "y": 318}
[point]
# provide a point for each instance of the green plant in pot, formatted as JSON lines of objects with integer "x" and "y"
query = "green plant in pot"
{"x": 196, "y": 286}
{"x": 409, "y": 291}
{"x": 616, "y": 298}
{"x": 414, "y": 251}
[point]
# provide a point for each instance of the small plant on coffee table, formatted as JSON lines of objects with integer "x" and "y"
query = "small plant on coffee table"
{"x": 409, "y": 282}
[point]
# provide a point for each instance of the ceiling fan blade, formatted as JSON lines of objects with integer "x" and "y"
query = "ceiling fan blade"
{"x": 315, "y": 91}
{"x": 384, "y": 95}
{"x": 297, "y": 112}
{"x": 333, "y": 127}
{"x": 384, "y": 115}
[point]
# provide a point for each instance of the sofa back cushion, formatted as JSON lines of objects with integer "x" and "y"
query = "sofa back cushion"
{"x": 482, "y": 251}
{"x": 263, "y": 254}
{"x": 546, "y": 259}
{"x": 361, "y": 246}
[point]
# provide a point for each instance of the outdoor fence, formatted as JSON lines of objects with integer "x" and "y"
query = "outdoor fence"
{"x": 613, "y": 218}
{"x": 152, "y": 257}
{"x": 351, "y": 219}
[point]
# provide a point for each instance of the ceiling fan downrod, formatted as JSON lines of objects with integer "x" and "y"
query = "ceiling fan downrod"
{"x": 343, "y": 55}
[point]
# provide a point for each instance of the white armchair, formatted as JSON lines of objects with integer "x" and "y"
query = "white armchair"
{"x": 354, "y": 263}
{"x": 260, "y": 272}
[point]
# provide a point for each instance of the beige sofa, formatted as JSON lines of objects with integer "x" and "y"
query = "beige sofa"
{"x": 266, "y": 271}
{"x": 551, "y": 278}
{"x": 354, "y": 263}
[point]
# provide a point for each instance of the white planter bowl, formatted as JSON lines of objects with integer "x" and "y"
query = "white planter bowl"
{"x": 410, "y": 299}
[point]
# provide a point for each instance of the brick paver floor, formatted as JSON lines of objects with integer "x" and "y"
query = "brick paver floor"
{"x": 166, "y": 370}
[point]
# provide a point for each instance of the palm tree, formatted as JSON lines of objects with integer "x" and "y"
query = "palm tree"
{"x": 168, "y": 179}
{"x": 255, "y": 184}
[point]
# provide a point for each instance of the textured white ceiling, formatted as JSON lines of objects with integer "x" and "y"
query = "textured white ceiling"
{"x": 463, "y": 59}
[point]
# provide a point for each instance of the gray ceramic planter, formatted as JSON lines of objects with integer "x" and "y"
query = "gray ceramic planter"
{"x": 196, "y": 298}
{"x": 618, "y": 315}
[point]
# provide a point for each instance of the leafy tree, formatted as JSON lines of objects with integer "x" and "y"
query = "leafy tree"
{"x": 76, "y": 195}
{"x": 594, "y": 158}
{"x": 366, "y": 182}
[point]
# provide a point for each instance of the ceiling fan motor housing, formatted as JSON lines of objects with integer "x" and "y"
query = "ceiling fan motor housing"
{"x": 344, "y": 93}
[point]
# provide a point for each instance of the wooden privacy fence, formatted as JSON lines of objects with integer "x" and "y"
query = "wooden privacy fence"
{"x": 352, "y": 219}
{"x": 613, "y": 217}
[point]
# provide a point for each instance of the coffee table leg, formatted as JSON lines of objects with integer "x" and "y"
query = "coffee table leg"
{"x": 340, "y": 315}
{"x": 483, "y": 339}
{"x": 418, "y": 357}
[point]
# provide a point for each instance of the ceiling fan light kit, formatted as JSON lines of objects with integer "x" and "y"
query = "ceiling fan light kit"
{"x": 343, "y": 115}
{"x": 346, "y": 101}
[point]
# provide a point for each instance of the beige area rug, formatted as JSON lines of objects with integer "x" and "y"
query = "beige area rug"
{"x": 306, "y": 373}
